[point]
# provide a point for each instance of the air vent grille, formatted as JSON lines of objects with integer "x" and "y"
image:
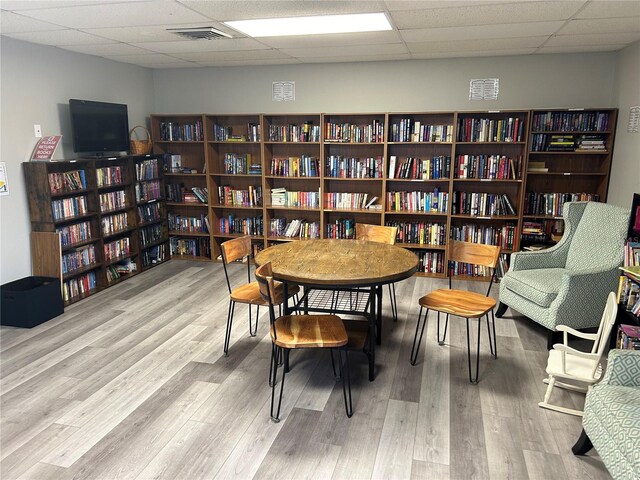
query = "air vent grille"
{"x": 199, "y": 33}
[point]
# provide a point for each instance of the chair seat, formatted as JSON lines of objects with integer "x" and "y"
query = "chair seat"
{"x": 576, "y": 368}
{"x": 309, "y": 331}
{"x": 458, "y": 302}
{"x": 540, "y": 286}
{"x": 250, "y": 293}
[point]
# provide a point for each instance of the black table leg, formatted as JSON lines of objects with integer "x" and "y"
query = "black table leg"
{"x": 379, "y": 316}
{"x": 372, "y": 334}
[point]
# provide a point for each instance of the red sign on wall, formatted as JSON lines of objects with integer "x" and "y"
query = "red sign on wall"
{"x": 45, "y": 148}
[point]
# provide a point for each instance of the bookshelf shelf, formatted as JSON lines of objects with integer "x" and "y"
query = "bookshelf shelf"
{"x": 182, "y": 233}
{"x": 185, "y": 175}
{"x": 187, "y": 204}
{"x": 80, "y": 271}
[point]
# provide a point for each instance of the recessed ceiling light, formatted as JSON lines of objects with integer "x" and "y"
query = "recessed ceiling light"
{"x": 277, "y": 27}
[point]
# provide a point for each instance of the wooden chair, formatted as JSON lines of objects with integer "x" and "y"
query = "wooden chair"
{"x": 462, "y": 303}
{"x": 248, "y": 293}
{"x": 581, "y": 369}
{"x": 290, "y": 332}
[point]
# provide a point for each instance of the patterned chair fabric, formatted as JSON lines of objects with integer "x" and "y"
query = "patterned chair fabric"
{"x": 568, "y": 283}
{"x": 611, "y": 418}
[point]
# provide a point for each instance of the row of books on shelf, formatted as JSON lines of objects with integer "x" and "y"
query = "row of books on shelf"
{"x": 193, "y": 247}
{"x": 629, "y": 294}
{"x": 112, "y": 224}
{"x": 537, "y": 203}
{"x": 109, "y": 176}
{"x": 224, "y": 133}
{"x": 177, "y": 192}
{"x": 410, "y": 130}
{"x": 281, "y": 197}
{"x": 76, "y": 233}
{"x": 243, "y": 226}
{"x": 181, "y": 132}
{"x": 79, "y": 285}
{"x": 431, "y": 262}
{"x": 302, "y": 166}
{"x": 418, "y": 201}
{"x": 251, "y": 197}
{"x": 338, "y": 166}
{"x": 488, "y": 167}
{"x": 78, "y": 259}
{"x": 503, "y": 236}
{"x": 148, "y": 191}
{"x": 631, "y": 254}
{"x": 240, "y": 164}
{"x": 69, "y": 207}
{"x": 151, "y": 234}
{"x": 490, "y": 130}
{"x": 153, "y": 255}
{"x": 350, "y": 133}
{"x": 149, "y": 213}
{"x": 542, "y": 142}
{"x": 628, "y": 337}
{"x": 349, "y": 201}
{"x": 570, "y": 121}
{"x": 422, "y": 233}
{"x": 541, "y": 231}
{"x": 482, "y": 204}
{"x": 416, "y": 168}
{"x": 112, "y": 200}
{"x": 117, "y": 270}
{"x": 147, "y": 169}
{"x": 116, "y": 249}
{"x": 189, "y": 224}
{"x": 307, "y": 132}
{"x": 343, "y": 228}
{"x": 67, "y": 181}
{"x": 296, "y": 228}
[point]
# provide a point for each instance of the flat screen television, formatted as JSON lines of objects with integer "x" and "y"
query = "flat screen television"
{"x": 99, "y": 127}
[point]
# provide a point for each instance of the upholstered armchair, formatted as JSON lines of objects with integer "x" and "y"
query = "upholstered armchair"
{"x": 568, "y": 283}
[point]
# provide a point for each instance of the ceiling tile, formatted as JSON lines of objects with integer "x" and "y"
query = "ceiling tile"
{"x": 485, "y": 14}
{"x": 596, "y": 39}
{"x": 481, "y": 31}
{"x": 476, "y": 45}
{"x": 581, "y": 49}
{"x": 14, "y": 23}
{"x": 334, "y": 40}
{"x": 126, "y": 14}
{"x": 602, "y": 25}
{"x": 399, "y": 5}
{"x": 477, "y": 53}
{"x": 353, "y": 50}
{"x": 357, "y": 58}
{"x": 245, "y": 10}
{"x": 241, "y": 63}
{"x": 102, "y": 50}
{"x": 611, "y": 9}
{"x": 150, "y": 33}
{"x": 61, "y": 37}
{"x": 17, "y": 5}
{"x": 187, "y": 46}
{"x": 155, "y": 58}
{"x": 231, "y": 56}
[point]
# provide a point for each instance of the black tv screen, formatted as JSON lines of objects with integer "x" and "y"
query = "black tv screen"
{"x": 99, "y": 126}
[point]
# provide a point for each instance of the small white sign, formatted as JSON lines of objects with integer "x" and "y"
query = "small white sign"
{"x": 283, "y": 91}
{"x": 4, "y": 181}
{"x": 634, "y": 120}
{"x": 484, "y": 88}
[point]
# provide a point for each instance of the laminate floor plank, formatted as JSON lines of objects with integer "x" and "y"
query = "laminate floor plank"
{"x": 132, "y": 383}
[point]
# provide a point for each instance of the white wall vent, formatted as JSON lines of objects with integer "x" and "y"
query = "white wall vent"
{"x": 199, "y": 33}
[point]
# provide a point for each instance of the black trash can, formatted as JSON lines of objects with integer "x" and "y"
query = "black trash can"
{"x": 30, "y": 301}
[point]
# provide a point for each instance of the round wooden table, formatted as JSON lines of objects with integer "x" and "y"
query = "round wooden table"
{"x": 339, "y": 264}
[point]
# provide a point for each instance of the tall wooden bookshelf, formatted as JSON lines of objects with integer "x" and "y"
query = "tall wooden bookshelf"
{"x": 84, "y": 221}
{"x": 433, "y": 174}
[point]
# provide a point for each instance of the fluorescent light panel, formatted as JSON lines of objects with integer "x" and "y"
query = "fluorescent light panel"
{"x": 280, "y": 27}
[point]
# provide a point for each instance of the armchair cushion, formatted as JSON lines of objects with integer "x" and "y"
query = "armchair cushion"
{"x": 540, "y": 286}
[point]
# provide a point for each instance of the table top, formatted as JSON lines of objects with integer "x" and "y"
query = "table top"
{"x": 338, "y": 262}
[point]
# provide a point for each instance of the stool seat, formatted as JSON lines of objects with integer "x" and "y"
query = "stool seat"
{"x": 250, "y": 293}
{"x": 309, "y": 331}
{"x": 461, "y": 303}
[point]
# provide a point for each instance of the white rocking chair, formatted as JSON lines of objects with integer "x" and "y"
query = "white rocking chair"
{"x": 579, "y": 369}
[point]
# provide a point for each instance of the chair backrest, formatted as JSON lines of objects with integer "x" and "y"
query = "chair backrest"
{"x": 604, "y": 330}
{"x": 233, "y": 250}
{"x": 476, "y": 253}
{"x": 599, "y": 237}
{"x": 376, "y": 233}
{"x": 264, "y": 276}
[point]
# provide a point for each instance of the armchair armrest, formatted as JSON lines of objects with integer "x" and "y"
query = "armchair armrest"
{"x": 623, "y": 368}
{"x": 554, "y": 257}
{"x": 582, "y": 296}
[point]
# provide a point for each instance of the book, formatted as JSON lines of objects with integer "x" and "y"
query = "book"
{"x": 176, "y": 163}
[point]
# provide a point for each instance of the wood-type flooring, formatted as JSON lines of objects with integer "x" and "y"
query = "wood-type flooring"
{"x": 131, "y": 383}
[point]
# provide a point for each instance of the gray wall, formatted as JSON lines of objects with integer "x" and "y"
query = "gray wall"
{"x": 625, "y": 170}
{"x": 36, "y": 85}
{"x": 579, "y": 80}
{"x": 37, "y": 82}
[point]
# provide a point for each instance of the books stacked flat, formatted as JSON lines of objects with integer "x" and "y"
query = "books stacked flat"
{"x": 590, "y": 143}
{"x": 628, "y": 337}
{"x": 278, "y": 197}
{"x": 537, "y": 167}
{"x": 561, "y": 143}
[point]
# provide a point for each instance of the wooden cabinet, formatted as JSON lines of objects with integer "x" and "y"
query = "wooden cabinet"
{"x": 84, "y": 215}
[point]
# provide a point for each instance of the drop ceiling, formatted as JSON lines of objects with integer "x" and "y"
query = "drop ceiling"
{"x": 136, "y": 31}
